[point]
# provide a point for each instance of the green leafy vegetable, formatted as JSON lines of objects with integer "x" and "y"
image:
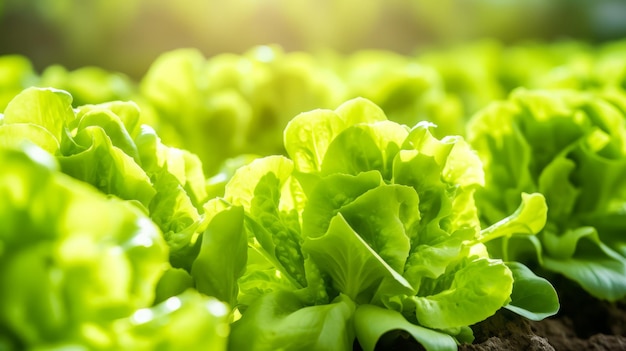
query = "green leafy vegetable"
{"x": 377, "y": 215}
{"x": 90, "y": 260}
{"x": 105, "y": 146}
{"x": 571, "y": 147}
{"x": 234, "y": 104}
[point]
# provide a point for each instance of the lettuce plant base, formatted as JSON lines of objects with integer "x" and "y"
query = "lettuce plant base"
{"x": 584, "y": 323}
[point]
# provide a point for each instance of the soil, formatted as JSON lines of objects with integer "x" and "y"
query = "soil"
{"x": 583, "y": 323}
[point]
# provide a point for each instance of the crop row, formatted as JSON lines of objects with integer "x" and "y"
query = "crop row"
{"x": 276, "y": 200}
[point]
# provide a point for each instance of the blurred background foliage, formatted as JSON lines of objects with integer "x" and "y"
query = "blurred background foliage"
{"x": 222, "y": 78}
{"x": 128, "y": 35}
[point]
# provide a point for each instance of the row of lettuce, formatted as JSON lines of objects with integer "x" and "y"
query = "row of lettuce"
{"x": 355, "y": 228}
{"x": 240, "y": 104}
{"x": 301, "y": 252}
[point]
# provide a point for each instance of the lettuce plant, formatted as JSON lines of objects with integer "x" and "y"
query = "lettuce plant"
{"x": 368, "y": 227}
{"x": 104, "y": 145}
{"x": 88, "y": 85}
{"x": 78, "y": 270}
{"x": 487, "y": 70}
{"x": 229, "y": 104}
{"x": 407, "y": 90}
{"x": 571, "y": 147}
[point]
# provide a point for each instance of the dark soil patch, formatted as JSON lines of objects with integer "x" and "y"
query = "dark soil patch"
{"x": 583, "y": 323}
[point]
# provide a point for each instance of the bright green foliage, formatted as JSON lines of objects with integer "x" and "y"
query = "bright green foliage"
{"x": 16, "y": 73}
{"x": 571, "y": 147}
{"x": 534, "y": 298}
{"x": 80, "y": 270}
{"x": 214, "y": 270}
{"x": 105, "y": 146}
{"x": 73, "y": 261}
{"x": 229, "y": 104}
{"x": 372, "y": 214}
{"x": 388, "y": 321}
{"x": 281, "y": 321}
{"x": 358, "y": 227}
{"x": 406, "y": 89}
{"x": 478, "y": 73}
{"x": 234, "y": 104}
{"x": 189, "y": 321}
{"x": 88, "y": 85}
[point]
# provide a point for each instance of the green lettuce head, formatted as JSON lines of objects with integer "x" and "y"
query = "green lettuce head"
{"x": 405, "y": 89}
{"x": 369, "y": 226}
{"x": 79, "y": 270}
{"x": 571, "y": 147}
{"x": 106, "y": 146}
{"x": 72, "y": 260}
{"x": 88, "y": 85}
{"x": 230, "y": 104}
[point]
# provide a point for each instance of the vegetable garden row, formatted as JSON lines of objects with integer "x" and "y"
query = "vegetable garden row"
{"x": 294, "y": 201}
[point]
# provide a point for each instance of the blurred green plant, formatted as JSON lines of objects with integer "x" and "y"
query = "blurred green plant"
{"x": 234, "y": 104}
{"x": 16, "y": 74}
{"x": 79, "y": 270}
{"x": 229, "y": 104}
{"x": 105, "y": 146}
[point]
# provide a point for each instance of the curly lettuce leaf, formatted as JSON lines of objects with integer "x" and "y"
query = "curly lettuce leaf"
{"x": 308, "y": 136}
{"x": 97, "y": 161}
{"x": 118, "y": 120}
{"x": 446, "y": 189}
{"x": 330, "y": 194}
{"x": 12, "y": 135}
{"x": 529, "y": 219}
{"x": 258, "y": 188}
{"x": 386, "y": 217}
{"x": 307, "y": 140}
{"x": 365, "y": 147}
